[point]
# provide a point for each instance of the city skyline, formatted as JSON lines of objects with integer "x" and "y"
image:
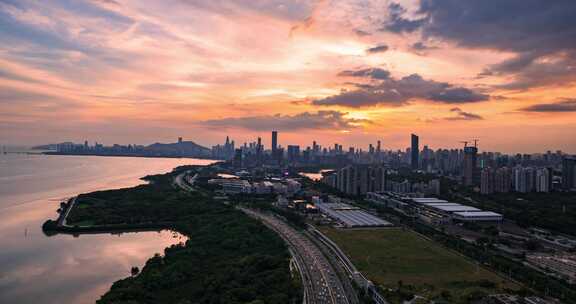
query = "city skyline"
{"x": 274, "y": 146}
{"x": 351, "y": 72}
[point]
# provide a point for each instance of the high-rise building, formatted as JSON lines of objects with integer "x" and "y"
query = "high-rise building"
{"x": 502, "y": 180}
{"x": 259, "y": 150}
{"x": 358, "y": 179}
{"x": 274, "y": 141}
{"x": 414, "y": 150}
{"x": 293, "y": 153}
{"x": 237, "y": 161}
{"x": 569, "y": 173}
{"x": 470, "y": 166}
{"x": 524, "y": 179}
{"x": 434, "y": 187}
{"x": 543, "y": 180}
{"x": 487, "y": 181}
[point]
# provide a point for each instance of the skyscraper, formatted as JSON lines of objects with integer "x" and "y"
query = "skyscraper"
{"x": 414, "y": 150}
{"x": 274, "y": 141}
{"x": 470, "y": 167}
{"x": 259, "y": 149}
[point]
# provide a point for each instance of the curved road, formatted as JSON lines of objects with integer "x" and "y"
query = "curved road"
{"x": 322, "y": 285}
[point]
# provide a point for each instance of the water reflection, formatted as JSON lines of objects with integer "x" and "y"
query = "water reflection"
{"x": 315, "y": 176}
{"x": 67, "y": 269}
{"x": 63, "y": 268}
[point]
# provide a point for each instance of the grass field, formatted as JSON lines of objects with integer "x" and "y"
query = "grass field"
{"x": 387, "y": 256}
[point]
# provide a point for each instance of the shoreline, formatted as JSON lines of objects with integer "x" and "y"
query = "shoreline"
{"x": 122, "y": 155}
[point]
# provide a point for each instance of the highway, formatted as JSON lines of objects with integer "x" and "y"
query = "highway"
{"x": 63, "y": 218}
{"x": 321, "y": 283}
{"x": 179, "y": 181}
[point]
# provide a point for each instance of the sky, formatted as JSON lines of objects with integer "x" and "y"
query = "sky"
{"x": 346, "y": 71}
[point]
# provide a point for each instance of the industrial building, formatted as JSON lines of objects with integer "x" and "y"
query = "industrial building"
{"x": 347, "y": 215}
{"x": 456, "y": 212}
{"x": 433, "y": 210}
{"x": 478, "y": 216}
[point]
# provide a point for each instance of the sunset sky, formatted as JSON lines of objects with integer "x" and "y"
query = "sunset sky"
{"x": 347, "y": 71}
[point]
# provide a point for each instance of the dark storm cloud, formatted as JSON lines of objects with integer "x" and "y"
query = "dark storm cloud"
{"x": 373, "y": 73}
{"x": 362, "y": 98}
{"x": 541, "y": 33}
{"x": 334, "y": 120}
{"x": 398, "y": 23}
{"x": 419, "y": 46}
{"x": 566, "y": 105}
{"x": 461, "y": 115}
{"x": 377, "y": 49}
{"x": 398, "y": 92}
{"x": 458, "y": 95}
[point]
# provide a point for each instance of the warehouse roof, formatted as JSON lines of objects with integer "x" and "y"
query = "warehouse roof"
{"x": 478, "y": 214}
{"x": 441, "y": 204}
{"x": 456, "y": 208}
{"x": 423, "y": 200}
{"x": 350, "y": 216}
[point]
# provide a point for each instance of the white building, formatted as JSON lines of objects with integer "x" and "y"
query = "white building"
{"x": 543, "y": 180}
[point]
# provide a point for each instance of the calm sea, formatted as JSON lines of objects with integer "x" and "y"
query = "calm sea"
{"x": 65, "y": 269}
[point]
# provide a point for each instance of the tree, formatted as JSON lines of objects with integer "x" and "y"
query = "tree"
{"x": 134, "y": 271}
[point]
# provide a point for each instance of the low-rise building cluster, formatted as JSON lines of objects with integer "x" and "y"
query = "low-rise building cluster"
{"x": 563, "y": 265}
{"x": 277, "y": 186}
{"x": 515, "y": 299}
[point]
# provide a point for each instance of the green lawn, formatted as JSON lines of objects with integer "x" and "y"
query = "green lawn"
{"x": 387, "y": 256}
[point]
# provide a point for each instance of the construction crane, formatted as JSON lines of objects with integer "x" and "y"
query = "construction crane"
{"x": 476, "y": 143}
{"x": 465, "y": 143}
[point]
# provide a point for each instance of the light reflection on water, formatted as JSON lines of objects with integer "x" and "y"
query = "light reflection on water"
{"x": 315, "y": 176}
{"x": 63, "y": 268}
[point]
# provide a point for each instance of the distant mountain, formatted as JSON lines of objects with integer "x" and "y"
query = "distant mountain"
{"x": 184, "y": 148}
{"x": 178, "y": 149}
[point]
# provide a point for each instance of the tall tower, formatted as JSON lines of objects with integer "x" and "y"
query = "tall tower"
{"x": 274, "y": 141}
{"x": 414, "y": 150}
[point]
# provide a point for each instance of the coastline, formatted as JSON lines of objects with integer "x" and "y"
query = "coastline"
{"x": 223, "y": 231}
{"x": 124, "y": 155}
